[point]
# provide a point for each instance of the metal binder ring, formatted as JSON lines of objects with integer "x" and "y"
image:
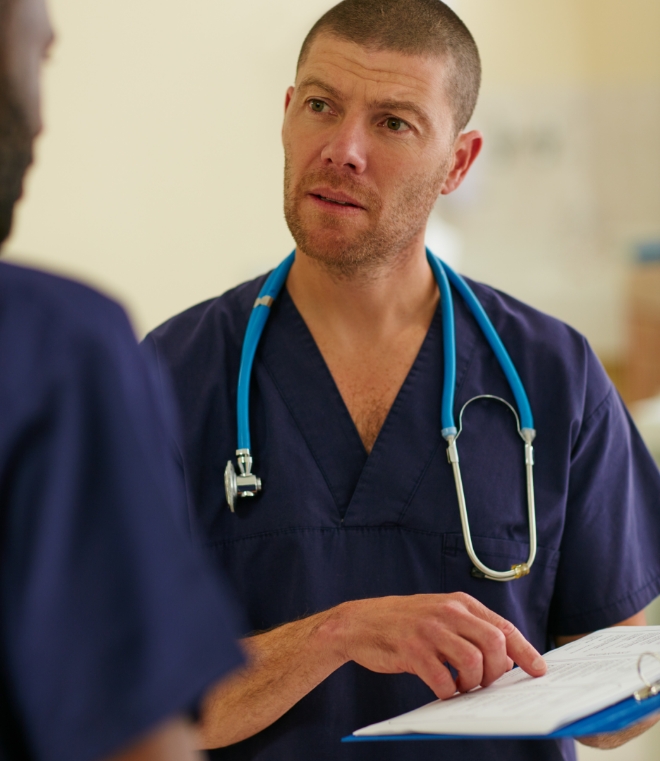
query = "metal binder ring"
{"x": 652, "y": 688}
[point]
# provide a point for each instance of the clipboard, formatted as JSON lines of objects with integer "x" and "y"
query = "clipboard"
{"x": 642, "y": 704}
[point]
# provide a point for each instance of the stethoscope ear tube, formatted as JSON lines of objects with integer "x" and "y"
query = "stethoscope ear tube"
{"x": 255, "y": 327}
{"x": 480, "y": 569}
{"x": 449, "y": 344}
{"x": 483, "y": 571}
{"x": 444, "y": 276}
{"x": 487, "y": 328}
{"x": 245, "y": 483}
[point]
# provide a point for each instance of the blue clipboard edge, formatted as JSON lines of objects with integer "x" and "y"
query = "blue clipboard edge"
{"x": 612, "y": 719}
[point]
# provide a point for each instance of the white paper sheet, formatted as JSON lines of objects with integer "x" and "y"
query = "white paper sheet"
{"x": 583, "y": 677}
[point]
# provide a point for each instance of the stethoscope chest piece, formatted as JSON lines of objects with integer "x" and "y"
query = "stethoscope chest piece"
{"x": 231, "y": 492}
{"x": 243, "y": 484}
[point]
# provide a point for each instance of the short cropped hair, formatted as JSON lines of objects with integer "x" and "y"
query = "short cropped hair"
{"x": 412, "y": 27}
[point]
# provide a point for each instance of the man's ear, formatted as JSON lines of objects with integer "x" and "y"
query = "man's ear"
{"x": 466, "y": 149}
{"x": 287, "y": 98}
{"x": 287, "y": 103}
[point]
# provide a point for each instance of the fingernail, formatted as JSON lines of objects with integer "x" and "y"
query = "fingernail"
{"x": 538, "y": 664}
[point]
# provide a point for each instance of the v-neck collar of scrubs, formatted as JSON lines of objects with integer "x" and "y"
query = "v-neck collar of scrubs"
{"x": 368, "y": 489}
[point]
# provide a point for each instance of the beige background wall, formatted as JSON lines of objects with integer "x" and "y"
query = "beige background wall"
{"x": 567, "y": 41}
{"x": 159, "y": 175}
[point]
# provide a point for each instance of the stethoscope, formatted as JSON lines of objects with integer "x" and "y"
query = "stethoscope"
{"x": 247, "y": 484}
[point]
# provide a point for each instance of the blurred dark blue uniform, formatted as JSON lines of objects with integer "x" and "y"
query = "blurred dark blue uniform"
{"x": 109, "y": 621}
{"x": 333, "y": 524}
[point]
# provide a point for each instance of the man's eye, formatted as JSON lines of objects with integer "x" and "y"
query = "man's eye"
{"x": 396, "y": 125}
{"x": 317, "y": 105}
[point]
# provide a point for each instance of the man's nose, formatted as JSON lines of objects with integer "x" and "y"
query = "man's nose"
{"x": 347, "y": 147}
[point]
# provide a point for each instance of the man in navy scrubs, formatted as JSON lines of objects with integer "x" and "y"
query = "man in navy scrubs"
{"x": 111, "y": 627}
{"x": 351, "y": 559}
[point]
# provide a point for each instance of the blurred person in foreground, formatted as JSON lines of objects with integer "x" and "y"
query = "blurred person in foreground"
{"x": 111, "y": 627}
{"x": 351, "y": 560}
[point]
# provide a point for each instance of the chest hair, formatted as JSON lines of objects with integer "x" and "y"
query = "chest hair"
{"x": 370, "y": 386}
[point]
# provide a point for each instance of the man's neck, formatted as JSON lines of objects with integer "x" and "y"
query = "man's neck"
{"x": 369, "y": 329}
{"x": 369, "y": 305}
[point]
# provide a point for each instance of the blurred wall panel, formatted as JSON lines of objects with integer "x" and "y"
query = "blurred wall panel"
{"x": 643, "y": 360}
{"x": 620, "y": 41}
{"x": 569, "y": 181}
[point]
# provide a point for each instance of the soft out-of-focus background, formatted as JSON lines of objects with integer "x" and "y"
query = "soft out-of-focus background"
{"x": 159, "y": 175}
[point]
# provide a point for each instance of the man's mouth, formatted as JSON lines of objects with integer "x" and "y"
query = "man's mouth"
{"x": 332, "y": 200}
{"x": 336, "y": 198}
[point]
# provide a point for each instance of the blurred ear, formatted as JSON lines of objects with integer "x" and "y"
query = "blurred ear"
{"x": 287, "y": 103}
{"x": 287, "y": 98}
{"x": 466, "y": 149}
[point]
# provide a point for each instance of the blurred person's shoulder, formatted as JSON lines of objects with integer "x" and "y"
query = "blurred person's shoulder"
{"x": 57, "y": 336}
{"x": 52, "y": 328}
{"x": 34, "y": 302}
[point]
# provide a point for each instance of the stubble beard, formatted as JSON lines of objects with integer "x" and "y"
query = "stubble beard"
{"x": 366, "y": 253}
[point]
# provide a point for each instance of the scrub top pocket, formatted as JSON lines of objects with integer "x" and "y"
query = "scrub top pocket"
{"x": 525, "y": 602}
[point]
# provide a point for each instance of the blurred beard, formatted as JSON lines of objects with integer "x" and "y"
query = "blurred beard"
{"x": 362, "y": 253}
{"x": 15, "y": 158}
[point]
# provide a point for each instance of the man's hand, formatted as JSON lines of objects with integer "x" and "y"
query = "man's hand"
{"x": 422, "y": 633}
{"x": 417, "y": 634}
{"x": 617, "y": 739}
{"x": 172, "y": 741}
{"x": 614, "y": 739}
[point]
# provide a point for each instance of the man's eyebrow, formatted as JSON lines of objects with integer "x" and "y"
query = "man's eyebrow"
{"x": 316, "y": 82}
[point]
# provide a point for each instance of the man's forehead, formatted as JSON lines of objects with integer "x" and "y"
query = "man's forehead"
{"x": 345, "y": 65}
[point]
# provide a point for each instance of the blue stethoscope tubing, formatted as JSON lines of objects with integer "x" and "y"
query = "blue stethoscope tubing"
{"x": 255, "y": 327}
{"x": 247, "y": 484}
{"x": 444, "y": 274}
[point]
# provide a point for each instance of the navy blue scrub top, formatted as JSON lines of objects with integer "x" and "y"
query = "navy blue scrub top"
{"x": 333, "y": 524}
{"x": 110, "y": 623}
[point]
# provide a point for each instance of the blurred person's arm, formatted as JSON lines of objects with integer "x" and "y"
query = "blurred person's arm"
{"x": 112, "y": 622}
{"x": 615, "y": 739}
